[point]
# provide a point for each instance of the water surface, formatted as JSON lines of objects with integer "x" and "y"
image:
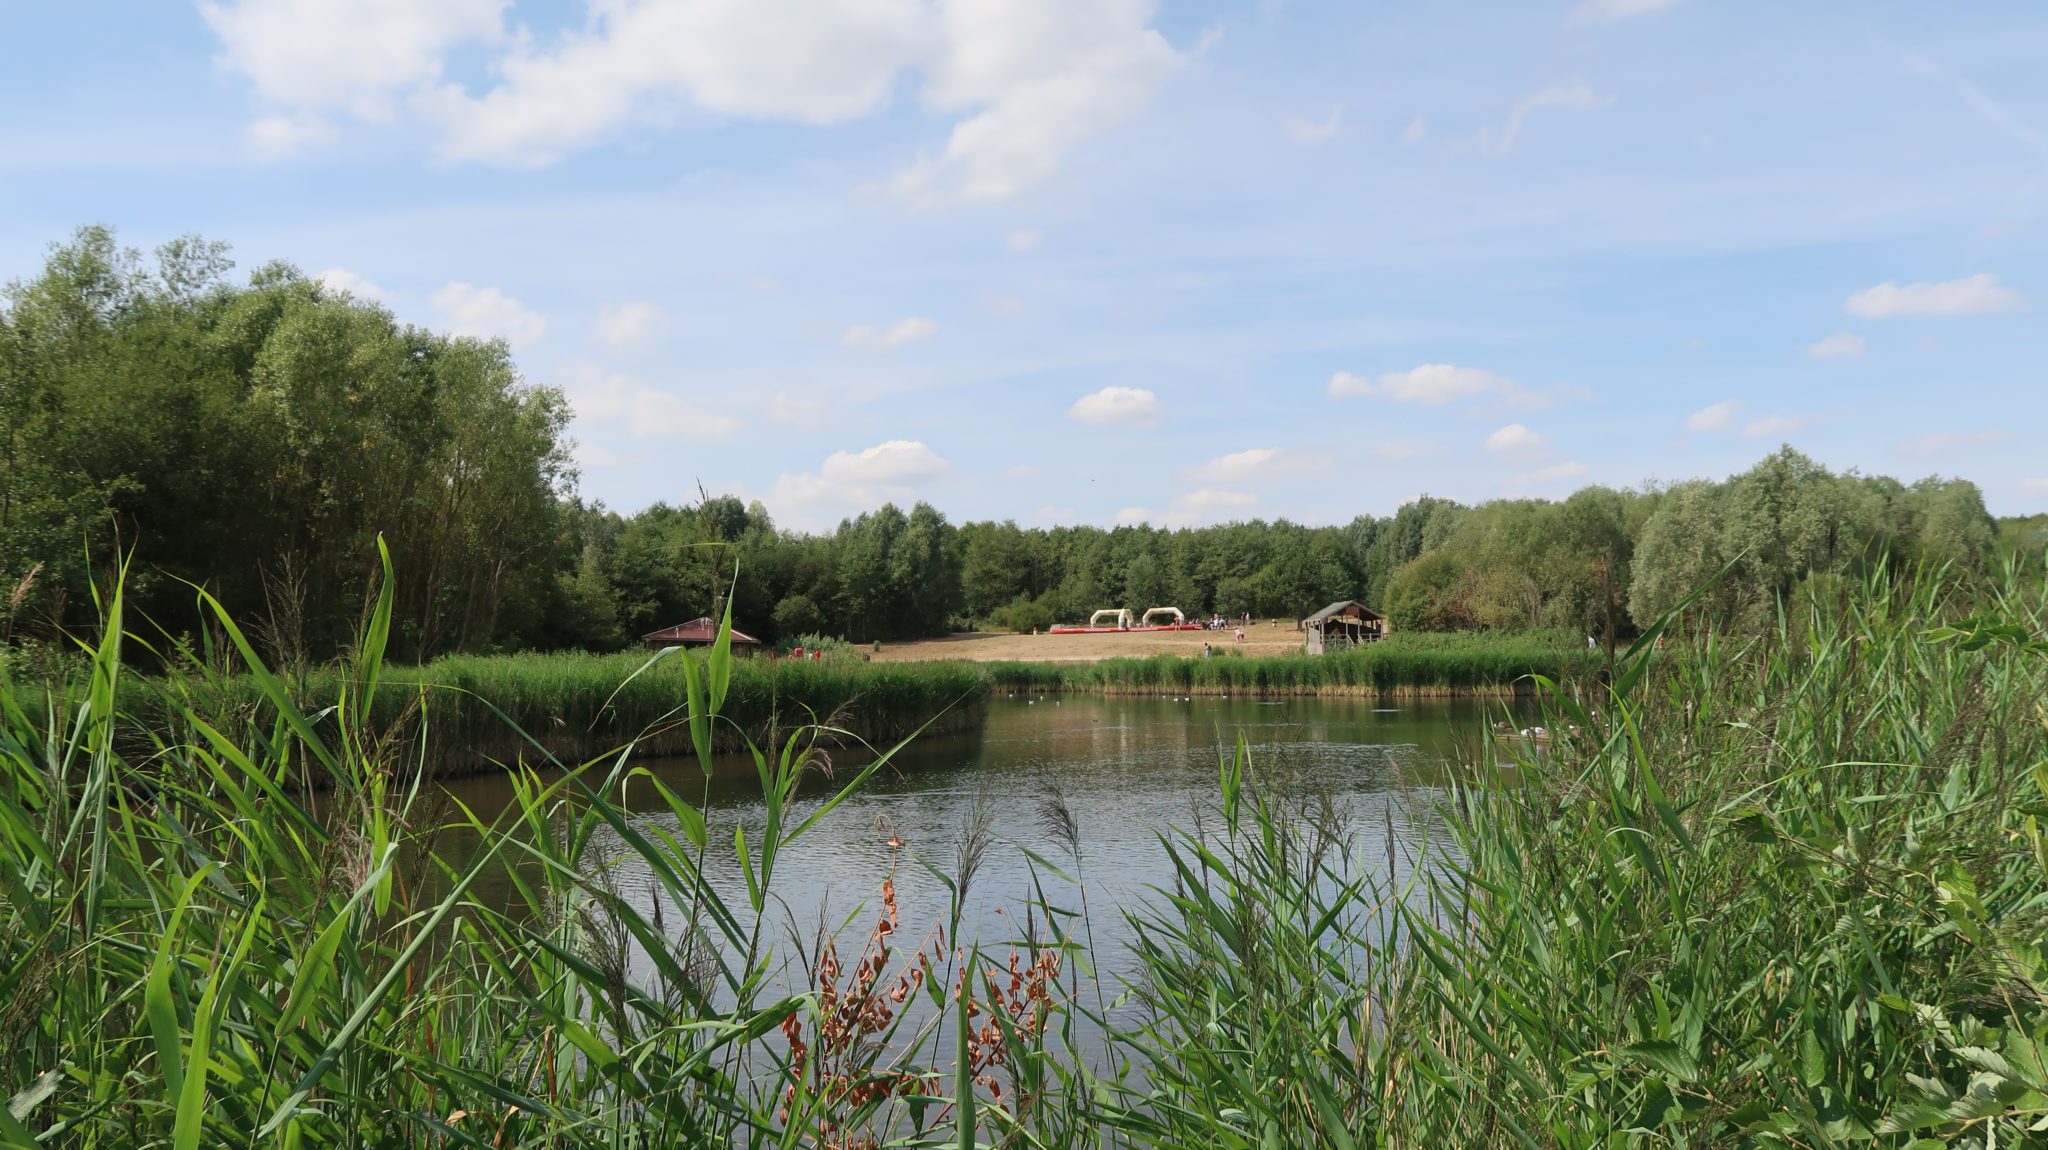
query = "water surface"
{"x": 1127, "y": 769}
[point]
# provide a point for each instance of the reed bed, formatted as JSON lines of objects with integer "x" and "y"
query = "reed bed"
{"x": 577, "y": 706}
{"x": 1787, "y": 888}
{"x": 1421, "y": 664}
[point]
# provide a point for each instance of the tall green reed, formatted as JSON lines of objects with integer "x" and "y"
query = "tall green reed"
{"x": 1780, "y": 888}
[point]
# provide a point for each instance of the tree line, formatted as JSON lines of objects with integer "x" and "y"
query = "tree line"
{"x": 255, "y": 439}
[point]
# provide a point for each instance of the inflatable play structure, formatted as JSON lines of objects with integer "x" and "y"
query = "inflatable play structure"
{"x": 1112, "y": 620}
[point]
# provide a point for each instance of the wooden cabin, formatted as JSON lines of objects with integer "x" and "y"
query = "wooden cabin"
{"x": 698, "y": 632}
{"x": 1344, "y": 624}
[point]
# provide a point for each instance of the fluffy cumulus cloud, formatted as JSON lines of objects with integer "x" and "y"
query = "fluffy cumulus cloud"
{"x": 1239, "y": 466}
{"x": 1436, "y": 384}
{"x": 897, "y": 463}
{"x": 1841, "y": 345}
{"x": 1972, "y": 295}
{"x": 360, "y": 56}
{"x": 902, "y": 333}
{"x": 606, "y": 400}
{"x": 1129, "y": 406}
{"x": 1209, "y": 505}
{"x": 1024, "y": 81}
{"x": 344, "y": 281}
{"x": 1034, "y": 78}
{"x": 487, "y": 313}
{"x": 629, "y": 325}
{"x": 1713, "y": 417}
{"x": 857, "y": 480}
{"x": 1514, "y": 437}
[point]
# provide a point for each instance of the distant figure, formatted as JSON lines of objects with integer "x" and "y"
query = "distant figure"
{"x": 1240, "y": 634}
{"x": 1590, "y": 644}
{"x": 1205, "y": 651}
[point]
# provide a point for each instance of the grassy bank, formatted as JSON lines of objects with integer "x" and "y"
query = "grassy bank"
{"x": 1786, "y": 888}
{"x": 1416, "y": 664}
{"x": 574, "y": 706}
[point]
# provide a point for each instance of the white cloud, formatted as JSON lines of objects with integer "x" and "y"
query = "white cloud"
{"x": 275, "y": 137}
{"x": 357, "y": 55}
{"x": 1972, "y": 295}
{"x": 1314, "y": 131}
{"x": 857, "y": 480}
{"x": 1025, "y": 241}
{"x": 635, "y": 323}
{"x": 2035, "y": 486}
{"x": 1132, "y": 406}
{"x": 342, "y": 280}
{"x": 1208, "y": 505}
{"x": 1714, "y": 417}
{"x": 902, "y": 333}
{"x": 1416, "y": 132}
{"x": 1593, "y": 10}
{"x": 644, "y": 412}
{"x": 1023, "y": 81}
{"x": 897, "y": 463}
{"x": 1576, "y": 96}
{"x": 1238, "y": 466}
{"x": 1546, "y": 476}
{"x": 1774, "y": 425}
{"x": 1841, "y": 345}
{"x": 1132, "y": 517}
{"x": 1939, "y": 442}
{"x": 1045, "y": 75}
{"x": 487, "y": 313}
{"x": 1436, "y": 384}
{"x": 1052, "y": 516}
{"x": 1514, "y": 437}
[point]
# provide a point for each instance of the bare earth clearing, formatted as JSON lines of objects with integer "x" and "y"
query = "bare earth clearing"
{"x": 985, "y": 646}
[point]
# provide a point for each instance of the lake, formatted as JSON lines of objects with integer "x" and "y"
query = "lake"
{"x": 1127, "y": 768}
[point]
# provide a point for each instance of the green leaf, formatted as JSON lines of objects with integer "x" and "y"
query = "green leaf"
{"x": 963, "y": 1070}
{"x": 1667, "y": 1057}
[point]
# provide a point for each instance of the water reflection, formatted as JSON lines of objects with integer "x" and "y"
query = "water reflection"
{"x": 1127, "y": 769}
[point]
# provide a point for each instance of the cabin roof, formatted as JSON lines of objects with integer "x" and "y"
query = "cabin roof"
{"x": 1349, "y": 608}
{"x": 698, "y": 630}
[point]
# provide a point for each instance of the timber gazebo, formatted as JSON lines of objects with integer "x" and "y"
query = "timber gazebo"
{"x": 698, "y": 632}
{"x": 1343, "y": 624}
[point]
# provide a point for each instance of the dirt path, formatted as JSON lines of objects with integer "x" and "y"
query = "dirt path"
{"x": 984, "y": 646}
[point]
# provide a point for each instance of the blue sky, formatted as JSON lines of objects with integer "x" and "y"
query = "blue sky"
{"x": 1092, "y": 260}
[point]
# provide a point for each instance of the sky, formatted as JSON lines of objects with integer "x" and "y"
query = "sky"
{"x": 1101, "y": 261}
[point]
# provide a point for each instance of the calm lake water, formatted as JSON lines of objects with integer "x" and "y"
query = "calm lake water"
{"x": 1127, "y": 769}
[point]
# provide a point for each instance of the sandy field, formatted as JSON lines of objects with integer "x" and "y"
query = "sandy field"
{"x": 987, "y": 646}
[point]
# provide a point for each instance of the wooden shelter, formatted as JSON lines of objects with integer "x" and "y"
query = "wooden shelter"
{"x": 699, "y": 632}
{"x": 1343, "y": 624}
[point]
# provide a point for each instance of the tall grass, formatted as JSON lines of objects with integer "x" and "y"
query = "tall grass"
{"x": 1780, "y": 889}
{"x": 575, "y": 705}
{"x": 1400, "y": 664}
